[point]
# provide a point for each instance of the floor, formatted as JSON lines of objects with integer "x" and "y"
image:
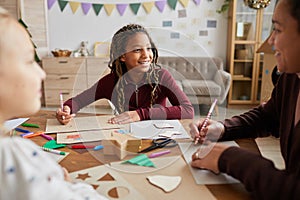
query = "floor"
{"x": 269, "y": 147}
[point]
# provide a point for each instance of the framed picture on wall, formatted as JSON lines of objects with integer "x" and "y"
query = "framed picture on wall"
{"x": 101, "y": 49}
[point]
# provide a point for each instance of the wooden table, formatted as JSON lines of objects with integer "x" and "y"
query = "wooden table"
{"x": 82, "y": 159}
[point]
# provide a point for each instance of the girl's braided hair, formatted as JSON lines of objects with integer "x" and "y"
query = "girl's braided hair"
{"x": 117, "y": 49}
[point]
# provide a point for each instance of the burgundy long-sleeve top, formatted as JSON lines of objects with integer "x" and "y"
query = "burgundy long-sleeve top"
{"x": 275, "y": 117}
{"x": 138, "y": 96}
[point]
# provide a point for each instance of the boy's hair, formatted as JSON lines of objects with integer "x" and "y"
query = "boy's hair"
{"x": 117, "y": 49}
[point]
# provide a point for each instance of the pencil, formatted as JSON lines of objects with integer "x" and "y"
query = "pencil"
{"x": 54, "y": 151}
{"x": 204, "y": 124}
{"x": 61, "y": 100}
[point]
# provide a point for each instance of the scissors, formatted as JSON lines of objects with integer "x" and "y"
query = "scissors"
{"x": 160, "y": 143}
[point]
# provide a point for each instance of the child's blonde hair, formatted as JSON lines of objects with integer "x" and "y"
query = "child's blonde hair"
{"x": 118, "y": 48}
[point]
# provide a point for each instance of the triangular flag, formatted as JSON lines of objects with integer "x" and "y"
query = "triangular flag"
{"x": 135, "y": 7}
{"x": 62, "y": 4}
{"x": 97, "y": 8}
{"x": 197, "y": 2}
{"x": 172, "y": 3}
{"x": 86, "y": 7}
{"x": 184, "y": 3}
{"x": 109, "y": 8}
{"x": 141, "y": 160}
{"x": 148, "y": 6}
{"x": 121, "y": 8}
{"x": 50, "y": 3}
{"x": 161, "y": 5}
{"x": 74, "y": 6}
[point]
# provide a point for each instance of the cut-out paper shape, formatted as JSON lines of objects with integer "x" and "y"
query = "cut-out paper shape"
{"x": 83, "y": 176}
{"x": 106, "y": 177}
{"x": 169, "y": 134}
{"x": 95, "y": 186}
{"x": 167, "y": 183}
{"x": 53, "y": 145}
{"x": 141, "y": 160}
{"x": 118, "y": 192}
{"x": 62, "y": 4}
{"x": 167, "y": 23}
{"x": 182, "y": 13}
{"x": 184, "y": 3}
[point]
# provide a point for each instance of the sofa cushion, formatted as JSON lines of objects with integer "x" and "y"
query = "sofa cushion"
{"x": 201, "y": 87}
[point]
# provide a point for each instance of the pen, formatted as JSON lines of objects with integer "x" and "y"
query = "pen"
{"x": 204, "y": 124}
{"x": 25, "y": 134}
{"x": 48, "y": 137}
{"x": 33, "y": 134}
{"x": 61, "y": 100}
{"x": 81, "y": 146}
{"x": 30, "y": 125}
{"x": 113, "y": 107}
{"x": 154, "y": 155}
{"x": 22, "y": 130}
{"x": 54, "y": 151}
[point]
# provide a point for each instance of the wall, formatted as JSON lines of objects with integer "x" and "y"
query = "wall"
{"x": 201, "y": 31}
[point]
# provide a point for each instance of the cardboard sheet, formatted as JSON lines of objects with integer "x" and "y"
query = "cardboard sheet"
{"x": 81, "y": 124}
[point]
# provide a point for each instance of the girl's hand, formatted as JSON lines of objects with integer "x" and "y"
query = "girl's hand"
{"x": 64, "y": 116}
{"x": 125, "y": 118}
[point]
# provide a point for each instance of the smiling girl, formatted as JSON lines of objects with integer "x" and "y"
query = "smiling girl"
{"x": 136, "y": 85}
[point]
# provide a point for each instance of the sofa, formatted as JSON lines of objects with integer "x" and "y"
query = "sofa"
{"x": 201, "y": 78}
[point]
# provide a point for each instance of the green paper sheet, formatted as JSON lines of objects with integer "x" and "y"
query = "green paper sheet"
{"x": 53, "y": 145}
{"x": 141, "y": 160}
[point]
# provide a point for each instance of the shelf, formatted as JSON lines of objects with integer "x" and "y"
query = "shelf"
{"x": 243, "y": 61}
{"x": 244, "y": 42}
{"x": 241, "y": 78}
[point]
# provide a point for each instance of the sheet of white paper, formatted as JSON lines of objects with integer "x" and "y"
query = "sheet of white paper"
{"x": 81, "y": 124}
{"x": 13, "y": 123}
{"x": 205, "y": 176}
{"x": 148, "y": 129}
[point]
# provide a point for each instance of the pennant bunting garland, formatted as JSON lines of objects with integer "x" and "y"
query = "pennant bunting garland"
{"x": 135, "y": 7}
{"x": 121, "y": 7}
{"x": 74, "y": 6}
{"x": 109, "y": 8}
{"x": 197, "y": 2}
{"x": 50, "y": 3}
{"x": 62, "y": 4}
{"x": 160, "y": 5}
{"x": 97, "y": 8}
{"x": 148, "y": 6}
{"x": 184, "y": 3}
{"x": 86, "y": 7}
{"x": 172, "y": 3}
